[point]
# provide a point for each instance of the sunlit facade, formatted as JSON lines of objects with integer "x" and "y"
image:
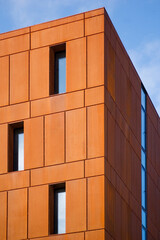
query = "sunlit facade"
{"x": 80, "y": 137}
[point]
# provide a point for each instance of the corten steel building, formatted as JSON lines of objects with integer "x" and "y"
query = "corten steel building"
{"x": 79, "y": 135}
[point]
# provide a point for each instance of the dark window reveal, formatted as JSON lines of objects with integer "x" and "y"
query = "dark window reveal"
{"x": 57, "y": 69}
{"x": 57, "y": 211}
{"x": 16, "y": 147}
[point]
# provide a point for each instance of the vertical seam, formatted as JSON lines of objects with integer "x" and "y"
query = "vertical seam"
{"x": 7, "y": 217}
{"x": 43, "y": 141}
{"x": 9, "y": 80}
{"x": 65, "y": 133}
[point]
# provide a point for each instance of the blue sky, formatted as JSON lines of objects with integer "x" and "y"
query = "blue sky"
{"x": 136, "y": 21}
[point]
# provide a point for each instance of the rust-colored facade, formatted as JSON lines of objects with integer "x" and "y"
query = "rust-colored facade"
{"x": 88, "y": 138}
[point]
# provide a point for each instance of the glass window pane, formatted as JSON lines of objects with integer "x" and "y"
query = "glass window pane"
{"x": 143, "y": 162}
{"x": 143, "y": 98}
{"x": 143, "y": 218}
{"x": 61, "y": 212}
{"x": 143, "y": 187}
{"x": 62, "y": 73}
{"x": 143, "y": 158}
{"x": 20, "y": 151}
{"x": 143, "y": 129}
{"x": 143, "y": 234}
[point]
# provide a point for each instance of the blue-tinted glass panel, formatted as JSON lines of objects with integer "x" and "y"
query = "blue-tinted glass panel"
{"x": 144, "y": 218}
{"x": 61, "y": 212}
{"x": 143, "y": 187}
{"x": 20, "y": 151}
{"x": 143, "y": 163}
{"x": 143, "y": 129}
{"x": 143, "y": 234}
{"x": 143, "y": 158}
{"x": 62, "y": 73}
{"x": 143, "y": 98}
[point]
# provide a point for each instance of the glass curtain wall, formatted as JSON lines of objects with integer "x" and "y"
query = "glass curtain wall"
{"x": 143, "y": 165}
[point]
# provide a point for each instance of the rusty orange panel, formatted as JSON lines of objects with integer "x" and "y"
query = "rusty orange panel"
{"x": 152, "y": 228}
{"x": 110, "y": 207}
{"x": 95, "y": 166}
{"x": 136, "y": 227}
{"x": 76, "y": 135}
{"x": 151, "y": 199}
{"x": 54, "y": 139}
{"x": 17, "y": 214}
{"x": 126, "y": 219}
{"x": 135, "y": 79}
{"x": 111, "y": 140}
{"x": 111, "y": 69}
{"x": 38, "y": 211}
{"x": 96, "y": 194}
{"x": 59, "y": 173}
{"x": 128, "y": 103}
{"x": 151, "y": 111}
{"x": 128, "y": 166}
{"x": 118, "y": 216}
{"x": 135, "y": 206}
{"x": 4, "y": 83}
{"x": 96, "y": 235}
{"x": 57, "y": 22}
{"x": 15, "y": 33}
{"x": 136, "y": 177}
{"x": 76, "y": 205}
{"x": 133, "y": 110}
{"x": 157, "y": 155}
{"x": 57, "y": 103}
{"x": 33, "y": 143}
{"x": 95, "y": 131}
{"x": 108, "y": 236}
{"x": 118, "y": 153}
{"x": 95, "y": 60}
{"x": 39, "y": 73}
{"x": 126, "y": 162}
{"x": 94, "y": 25}
{"x": 76, "y": 64}
{"x": 95, "y": 12}
{"x": 14, "y": 112}
{"x": 13, "y": 180}
{"x": 14, "y": 45}
{"x": 70, "y": 236}
{"x": 4, "y": 148}
{"x": 19, "y": 65}
{"x": 135, "y": 144}
{"x": 107, "y": 27}
{"x": 57, "y": 34}
{"x": 110, "y": 104}
{"x": 94, "y": 96}
{"x": 3, "y": 214}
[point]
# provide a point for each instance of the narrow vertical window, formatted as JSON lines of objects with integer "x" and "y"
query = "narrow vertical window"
{"x": 16, "y": 147}
{"x": 57, "y": 209}
{"x": 143, "y": 165}
{"x": 57, "y": 69}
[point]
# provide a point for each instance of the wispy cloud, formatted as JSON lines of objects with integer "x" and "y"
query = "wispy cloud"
{"x": 146, "y": 59}
{"x": 29, "y": 12}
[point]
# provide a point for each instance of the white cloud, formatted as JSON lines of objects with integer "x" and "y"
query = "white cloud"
{"x": 29, "y": 12}
{"x": 146, "y": 59}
